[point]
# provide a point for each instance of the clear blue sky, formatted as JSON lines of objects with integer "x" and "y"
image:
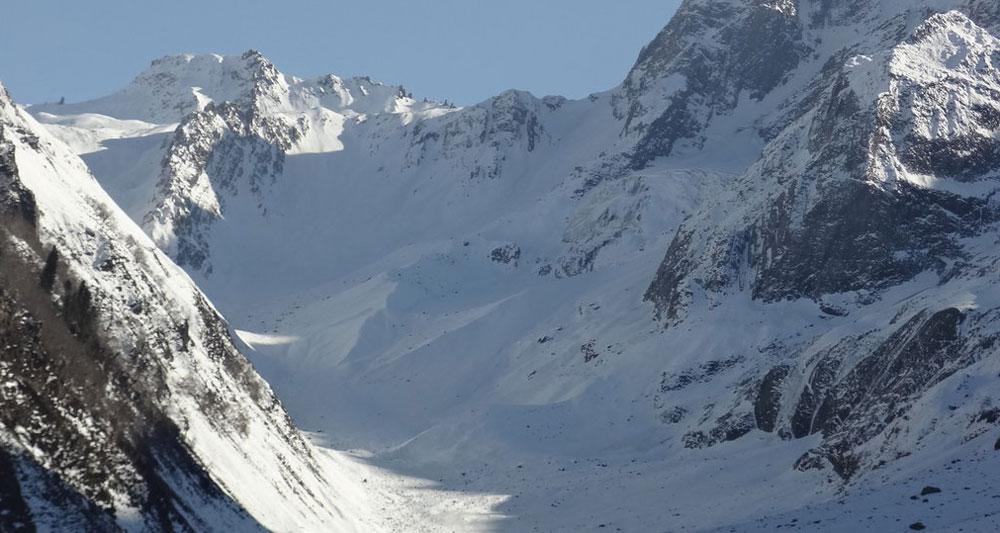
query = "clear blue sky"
{"x": 460, "y": 50}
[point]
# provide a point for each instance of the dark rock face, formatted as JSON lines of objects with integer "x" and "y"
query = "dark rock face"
{"x": 13, "y": 196}
{"x": 667, "y": 292}
{"x": 728, "y": 427}
{"x": 74, "y": 399}
{"x": 851, "y": 406}
{"x": 964, "y": 153}
{"x": 920, "y": 354}
{"x": 713, "y": 51}
{"x": 506, "y": 254}
{"x": 768, "y": 403}
{"x": 818, "y": 385}
{"x": 673, "y": 416}
{"x": 815, "y": 239}
{"x": 702, "y": 374}
{"x": 513, "y": 115}
{"x": 229, "y": 148}
{"x": 754, "y": 47}
{"x": 964, "y": 159}
{"x": 589, "y": 351}
{"x": 835, "y": 224}
{"x": 481, "y": 137}
{"x": 860, "y": 237}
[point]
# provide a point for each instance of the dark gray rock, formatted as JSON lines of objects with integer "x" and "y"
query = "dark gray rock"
{"x": 237, "y": 147}
{"x": 852, "y": 410}
{"x": 728, "y": 427}
{"x": 929, "y": 489}
{"x": 701, "y": 374}
{"x": 768, "y": 402}
{"x": 673, "y": 415}
{"x": 755, "y": 46}
{"x": 506, "y": 254}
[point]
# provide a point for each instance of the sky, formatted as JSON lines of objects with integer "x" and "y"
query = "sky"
{"x": 460, "y": 50}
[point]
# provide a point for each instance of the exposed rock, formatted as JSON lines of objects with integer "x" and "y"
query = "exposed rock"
{"x": 673, "y": 416}
{"x": 768, "y": 403}
{"x": 702, "y": 374}
{"x": 222, "y": 151}
{"x": 860, "y": 187}
{"x": 880, "y": 388}
{"x": 506, "y": 254}
{"x": 815, "y": 233}
{"x": 751, "y": 48}
{"x": 728, "y": 427}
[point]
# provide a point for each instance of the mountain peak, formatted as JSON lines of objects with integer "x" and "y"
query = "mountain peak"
{"x": 5, "y": 98}
{"x": 252, "y": 53}
{"x": 174, "y": 86}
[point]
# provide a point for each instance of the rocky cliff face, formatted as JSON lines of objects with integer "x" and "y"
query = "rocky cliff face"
{"x": 710, "y": 56}
{"x": 862, "y": 187}
{"x": 879, "y": 170}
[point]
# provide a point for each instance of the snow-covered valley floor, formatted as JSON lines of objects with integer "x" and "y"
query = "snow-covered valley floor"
{"x": 733, "y": 489}
{"x": 542, "y": 440}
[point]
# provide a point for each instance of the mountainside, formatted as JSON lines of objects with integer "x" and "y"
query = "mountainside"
{"x": 125, "y": 405}
{"x": 768, "y": 255}
{"x": 878, "y": 178}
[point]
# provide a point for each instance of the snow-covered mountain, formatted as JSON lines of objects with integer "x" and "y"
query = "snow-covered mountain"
{"x": 762, "y": 267}
{"x": 125, "y": 405}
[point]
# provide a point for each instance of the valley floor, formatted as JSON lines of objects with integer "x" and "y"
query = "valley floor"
{"x": 447, "y": 424}
{"x": 734, "y": 488}
{"x": 400, "y": 502}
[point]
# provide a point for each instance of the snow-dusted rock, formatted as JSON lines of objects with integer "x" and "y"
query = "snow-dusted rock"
{"x": 125, "y": 403}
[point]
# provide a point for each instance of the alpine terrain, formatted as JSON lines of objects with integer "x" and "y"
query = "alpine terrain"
{"x": 755, "y": 286}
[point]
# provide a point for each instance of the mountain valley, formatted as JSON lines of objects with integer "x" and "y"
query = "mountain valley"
{"x": 754, "y": 286}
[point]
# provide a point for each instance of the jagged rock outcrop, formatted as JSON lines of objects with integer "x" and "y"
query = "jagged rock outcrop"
{"x": 710, "y": 55}
{"x": 857, "y": 213}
